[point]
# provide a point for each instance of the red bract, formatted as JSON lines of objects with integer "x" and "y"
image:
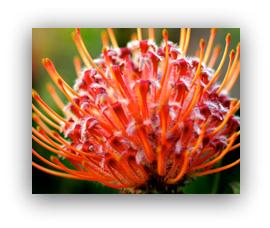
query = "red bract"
{"x": 141, "y": 113}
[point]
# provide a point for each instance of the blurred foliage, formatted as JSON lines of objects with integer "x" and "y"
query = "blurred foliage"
{"x": 57, "y": 44}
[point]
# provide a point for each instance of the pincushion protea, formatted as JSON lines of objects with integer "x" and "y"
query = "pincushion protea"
{"x": 142, "y": 117}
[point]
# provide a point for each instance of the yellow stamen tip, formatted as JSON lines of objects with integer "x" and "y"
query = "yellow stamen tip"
{"x": 214, "y": 31}
{"x": 232, "y": 54}
{"x": 238, "y": 47}
{"x": 202, "y": 43}
{"x": 228, "y": 38}
{"x": 34, "y": 93}
{"x": 45, "y": 61}
{"x": 165, "y": 34}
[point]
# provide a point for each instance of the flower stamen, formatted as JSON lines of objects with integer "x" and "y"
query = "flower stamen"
{"x": 216, "y": 74}
{"x": 112, "y": 38}
{"x": 210, "y": 45}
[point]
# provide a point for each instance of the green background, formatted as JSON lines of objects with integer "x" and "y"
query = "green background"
{"x": 57, "y": 44}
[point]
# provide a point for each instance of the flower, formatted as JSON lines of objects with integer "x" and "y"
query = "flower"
{"x": 141, "y": 115}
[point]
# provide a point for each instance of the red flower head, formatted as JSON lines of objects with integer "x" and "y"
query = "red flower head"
{"x": 143, "y": 115}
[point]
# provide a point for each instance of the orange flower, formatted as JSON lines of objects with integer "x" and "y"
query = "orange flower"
{"x": 141, "y": 114}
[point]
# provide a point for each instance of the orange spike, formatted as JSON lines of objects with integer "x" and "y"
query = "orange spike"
{"x": 226, "y": 78}
{"x": 47, "y": 120}
{"x": 198, "y": 71}
{"x": 60, "y": 104}
{"x": 151, "y": 34}
{"x": 164, "y": 77}
{"x": 146, "y": 144}
{"x": 55, "y": 173}
{"x": 211, "y": 171}
{"x": 237, "y": 56}
{"x": 50, "y": 148}
{"x": 88, "y": 60}
{"x": 227, "y": 117}
{"x": 45, "y": 160}
{"x": 57, "y": 118}
{"x": 216, "y": 74}
{"x": 182, "y": 171}
{"x": 43, "y": 126}
{"x": 49, "y": 66}
{"x": 200, "y": 139}
{"x": 210, "y": 44}
{"x": 218, "y": 158}
{"x": 76, "y": 36}
{"x": 112, "y": 38}
{"x": 173, "y": 168}
{"x": 105, "y": 39}
{"x": 71, "y": 100}
{"x": 68, "y": 145}
{"x": 125, "y": 173}
{"x": 115, "y": 174}
{"x": 236, "y": 134}
{"x": 81, "y": 174}
{"x": 235, "y": 146}
{"x": 193, "y": 102}
{"x": 187, "y": 39}
{"x": 141, "y": 92}
{"x": 42, "y": 134}
{"x": 130, "y": 172}
{"x": 182, "y": 38}
{"x": 77, "y": 65}
{"x": 55, "y": 97}
{"x": 134, "y": 36}
{"x": 58, "y": 139}
{"x": 139, "y": 169}
{"x": 161, "y": 162}
{"x": 214, "y": 56}
{"x": 233, "y": 79}
{"x": 164, "y": 116}
{"x": 139, "y": 33}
